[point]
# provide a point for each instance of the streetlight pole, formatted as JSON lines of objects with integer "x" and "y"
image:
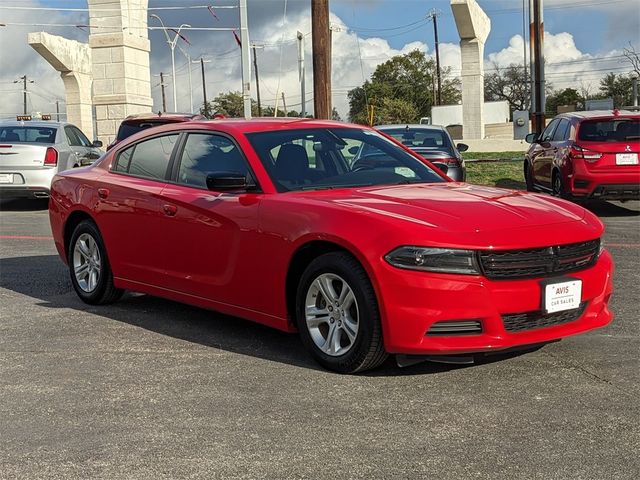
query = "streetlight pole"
{"x": 301, "y": 72}
{"x": 172, "y": 46}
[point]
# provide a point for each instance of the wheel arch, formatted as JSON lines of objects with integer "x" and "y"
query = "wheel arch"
{"x": 74, "y": 219}
{"x": 305, "y": 254}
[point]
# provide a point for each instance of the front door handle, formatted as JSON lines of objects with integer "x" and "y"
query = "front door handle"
{"x": 103, "y": 193}
{"x": 170, "y": 210}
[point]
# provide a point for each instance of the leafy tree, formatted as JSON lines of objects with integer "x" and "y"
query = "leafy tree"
{"x": 409, "y": 78}
{"x": 229, "y": 104}
{"x": 395, "y": 110}
{"x": 510, "y": 84}
{"x": 568, "y": 96}
{"x": 617, "y": 87}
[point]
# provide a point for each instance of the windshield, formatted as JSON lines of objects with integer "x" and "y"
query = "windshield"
{"x": 609, "y": 130}
{"x": 19, "y": 134}
{"x": 128, "y": 129}
{"x": 420, "y": 138}
{"x": 320, "y": 158}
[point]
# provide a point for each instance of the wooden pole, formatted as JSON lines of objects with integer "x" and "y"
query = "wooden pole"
{"x": 321, "y": 58}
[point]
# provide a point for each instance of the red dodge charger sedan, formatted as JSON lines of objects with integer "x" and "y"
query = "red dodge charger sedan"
{"x": 332, "y": 230}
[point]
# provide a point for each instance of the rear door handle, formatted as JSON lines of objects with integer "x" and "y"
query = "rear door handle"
{"x": 103, "y": 193}
{"x": 170, "y": 210}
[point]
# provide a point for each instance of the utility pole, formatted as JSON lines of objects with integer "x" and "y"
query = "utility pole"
{"x": 301, "y": 74}
{"x": 284, "y": 104}
{"x": 205, "y": 105}
{"x": 321, "y": 58}
{"x": 164, "y": 98}
{"x": 524, "y": 46}
{"x": 246, "y": 60}
{"x": 536, "y": 40}
{"x": 57, "y": 110}
{"x": 24, "y": 81}
{"x": 434, "y": 14}
{"x": 255, "y": 65}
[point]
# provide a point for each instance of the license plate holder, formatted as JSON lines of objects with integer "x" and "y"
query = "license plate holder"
{"x": 6, "y": 177}
{"x": 560, "y": 294}
{"x": 626, "y": 159}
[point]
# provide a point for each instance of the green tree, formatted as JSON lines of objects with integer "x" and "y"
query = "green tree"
{"x": 617, "y": 87}
{"x": 568, "y": 96}
{"x": 395, "y": 110}
{"x": 229, "y": 104}
{"x": 409, "y": 78}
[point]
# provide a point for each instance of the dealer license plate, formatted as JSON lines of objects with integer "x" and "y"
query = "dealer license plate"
{"x": 563, "y": 295}
{"x": 626, "y": 159}
{"x": 6, "y": 177}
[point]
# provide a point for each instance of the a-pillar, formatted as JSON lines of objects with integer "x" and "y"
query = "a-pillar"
{"x": 73, "y": 60}
{"x": 120, "y": 56}
{"x": 474, "y": 27}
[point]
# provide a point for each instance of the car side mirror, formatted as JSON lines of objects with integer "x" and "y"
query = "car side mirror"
{"x": 462, "y": 147}
{"x": 441, "y": 166}
{"x": 531, "y": 138}
{"x": 226, "y": 181}
{"x": 97, "y": 144}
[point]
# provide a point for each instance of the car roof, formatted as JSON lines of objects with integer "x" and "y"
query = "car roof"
{"x": 163, "y": 116}
{"x": 262, "y": 124}
{"x": 422, "y": 126}
{"x": 591, "y": 114}
{"x": 32, "y": 123}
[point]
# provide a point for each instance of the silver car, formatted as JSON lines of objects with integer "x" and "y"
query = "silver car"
{"x": 434, "y": 143}
{"x": 32, "y": 152}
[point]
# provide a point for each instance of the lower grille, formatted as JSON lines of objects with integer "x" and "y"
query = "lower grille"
{"x": 455, "y": 327}
{"x": 628, "y": 191}
{"x": 519, "y": 322}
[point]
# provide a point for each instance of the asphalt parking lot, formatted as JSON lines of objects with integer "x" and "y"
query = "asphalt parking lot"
{"x": 148, "y": 388}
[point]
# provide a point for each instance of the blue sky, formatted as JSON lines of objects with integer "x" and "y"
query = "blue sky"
{"x": 584, "y": 41}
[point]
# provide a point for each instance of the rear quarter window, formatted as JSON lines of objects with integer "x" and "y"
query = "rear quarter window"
{"x": 148, "y": 159}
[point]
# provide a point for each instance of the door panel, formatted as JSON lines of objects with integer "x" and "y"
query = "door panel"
{"x": 209, "y": 240}
{"x": 542, "y": 162}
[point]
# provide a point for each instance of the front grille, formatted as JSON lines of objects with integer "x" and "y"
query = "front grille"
{"x": 455, "y": 327}
{"x": 519, "y": 322}
{"x": 539, "y": 262}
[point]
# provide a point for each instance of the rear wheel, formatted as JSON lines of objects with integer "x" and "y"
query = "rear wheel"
{"x": 337, "y": 314}
{"x": 89, "y": 267}
{"x": 557, "y": 186}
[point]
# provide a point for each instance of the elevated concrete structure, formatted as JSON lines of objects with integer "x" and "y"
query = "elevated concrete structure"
{"x": 474, "y": 27}
{"x": 120, "y": 62}
{"x": 111, "y": 72}
{"x": 73, "y": 60}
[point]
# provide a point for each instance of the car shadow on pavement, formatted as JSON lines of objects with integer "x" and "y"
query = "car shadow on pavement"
{"x": 46, "y": 278}
{"x": 612, "y": 209}
{"x": 23, "y": 205}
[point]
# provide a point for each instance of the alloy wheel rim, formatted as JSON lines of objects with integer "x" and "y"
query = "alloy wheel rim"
{"x": 557, "y": 186}
{"x": 331, "y": 314}
{"x": 86, "y": 263}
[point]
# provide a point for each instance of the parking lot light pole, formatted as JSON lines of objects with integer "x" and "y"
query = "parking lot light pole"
{"x": 172, "y": 45}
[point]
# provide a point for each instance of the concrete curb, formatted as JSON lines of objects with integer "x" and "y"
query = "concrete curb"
{"x": 494, "y": 160}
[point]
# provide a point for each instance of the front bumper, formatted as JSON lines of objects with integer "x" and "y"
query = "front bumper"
{"x": 413, "y": 301}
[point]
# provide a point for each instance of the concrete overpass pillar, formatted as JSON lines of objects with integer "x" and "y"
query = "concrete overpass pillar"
{"x": 474, "y": 27}
{"x": 120, "y": 62}
{"x": 73, "y": 60}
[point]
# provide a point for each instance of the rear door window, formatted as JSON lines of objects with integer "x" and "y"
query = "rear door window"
{"x": 609, "y": 130}
{"x": 148, "y": 159}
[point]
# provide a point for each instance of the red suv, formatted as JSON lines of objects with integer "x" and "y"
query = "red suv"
{"x": 586, "y": 155}
{"x": 136, "y": 123}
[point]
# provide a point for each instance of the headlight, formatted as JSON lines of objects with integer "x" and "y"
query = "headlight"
{"x": 443, "y": 260}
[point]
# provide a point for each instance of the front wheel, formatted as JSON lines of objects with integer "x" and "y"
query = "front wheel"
{"x": 337, "y": 314}
{"x": 557, "y": 187}
{"x": 528, "y": 176}
{"x": 89, "y": 267}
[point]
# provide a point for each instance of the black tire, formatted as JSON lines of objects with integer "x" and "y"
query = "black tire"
{"x": 528, "y": 177}
{"x": 104, "y": 291}
{"x": 367, "y": 350}
{"x": 557, "y": 186}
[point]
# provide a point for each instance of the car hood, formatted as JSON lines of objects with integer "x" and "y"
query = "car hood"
{"x": 475, "y": 212}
